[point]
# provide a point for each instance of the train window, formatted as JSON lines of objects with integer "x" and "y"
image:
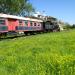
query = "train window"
{"x": 34, "y": 24}
{"x": 20, "y": 22}
{"x": 47, "y": 22}
{"x": 51, "y": 23}
{"x": 26, "y": 23}
{"x": 39, "y": 24}
{"x": 31, "y": 24}
{"x": 2, "y": 22}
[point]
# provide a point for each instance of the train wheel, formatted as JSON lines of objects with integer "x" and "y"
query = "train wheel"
{"x": 3, "y": 35}
{"x": 32, "y": 33}
{"x": 0, "y": 35}
{"x": 26, "y": 33}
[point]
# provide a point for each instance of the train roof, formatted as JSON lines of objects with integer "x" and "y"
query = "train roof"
{"x": 20, "y": 18}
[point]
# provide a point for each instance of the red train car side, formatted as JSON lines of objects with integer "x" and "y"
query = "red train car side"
{"x": 10, "y": 23}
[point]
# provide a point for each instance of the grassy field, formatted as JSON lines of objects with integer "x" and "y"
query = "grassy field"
{"x": 43, "y": 54}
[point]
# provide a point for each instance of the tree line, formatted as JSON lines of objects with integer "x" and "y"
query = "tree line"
{"x": 16, "y": 7}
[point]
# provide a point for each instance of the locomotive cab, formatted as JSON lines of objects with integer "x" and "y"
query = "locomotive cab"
{"x": 51, "y": 26}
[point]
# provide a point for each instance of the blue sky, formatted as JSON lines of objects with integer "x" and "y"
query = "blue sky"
{"x": 61, "y": 9}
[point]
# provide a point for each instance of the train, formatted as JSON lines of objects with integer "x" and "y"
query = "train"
{"x": 17, "y": 24}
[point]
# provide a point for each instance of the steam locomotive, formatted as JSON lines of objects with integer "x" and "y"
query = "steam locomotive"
{"x": 16, "y": 24}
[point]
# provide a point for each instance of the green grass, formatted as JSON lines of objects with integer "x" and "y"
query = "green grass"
{"x": 44, "y": 54}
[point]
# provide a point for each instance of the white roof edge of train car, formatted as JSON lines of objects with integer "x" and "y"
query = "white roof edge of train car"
{"x": 18, "y": 17}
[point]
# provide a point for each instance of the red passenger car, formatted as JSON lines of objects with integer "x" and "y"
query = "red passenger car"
{"x": 10, "y": 23}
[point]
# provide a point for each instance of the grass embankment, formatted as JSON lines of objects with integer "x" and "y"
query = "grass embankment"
{"x": 44, "y": 54}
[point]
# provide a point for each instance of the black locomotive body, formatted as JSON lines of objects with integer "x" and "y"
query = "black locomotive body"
{"x": 51, "y": 24}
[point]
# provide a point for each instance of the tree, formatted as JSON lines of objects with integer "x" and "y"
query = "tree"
{"x": 67, "y": 26}
{"x": 73, "y": 26}
{"x": 15, "y": 7}
{"x": 27, "y": 9}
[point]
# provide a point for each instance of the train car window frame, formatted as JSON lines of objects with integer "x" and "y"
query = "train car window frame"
{"x": 26, "y": 22}
{"x": 2, "y": 21}
{"x": 39, "y": 24}
{"x": 20, "y": 22}
{"x": 35, "y": 24}
{"x": 31, "y": 23}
